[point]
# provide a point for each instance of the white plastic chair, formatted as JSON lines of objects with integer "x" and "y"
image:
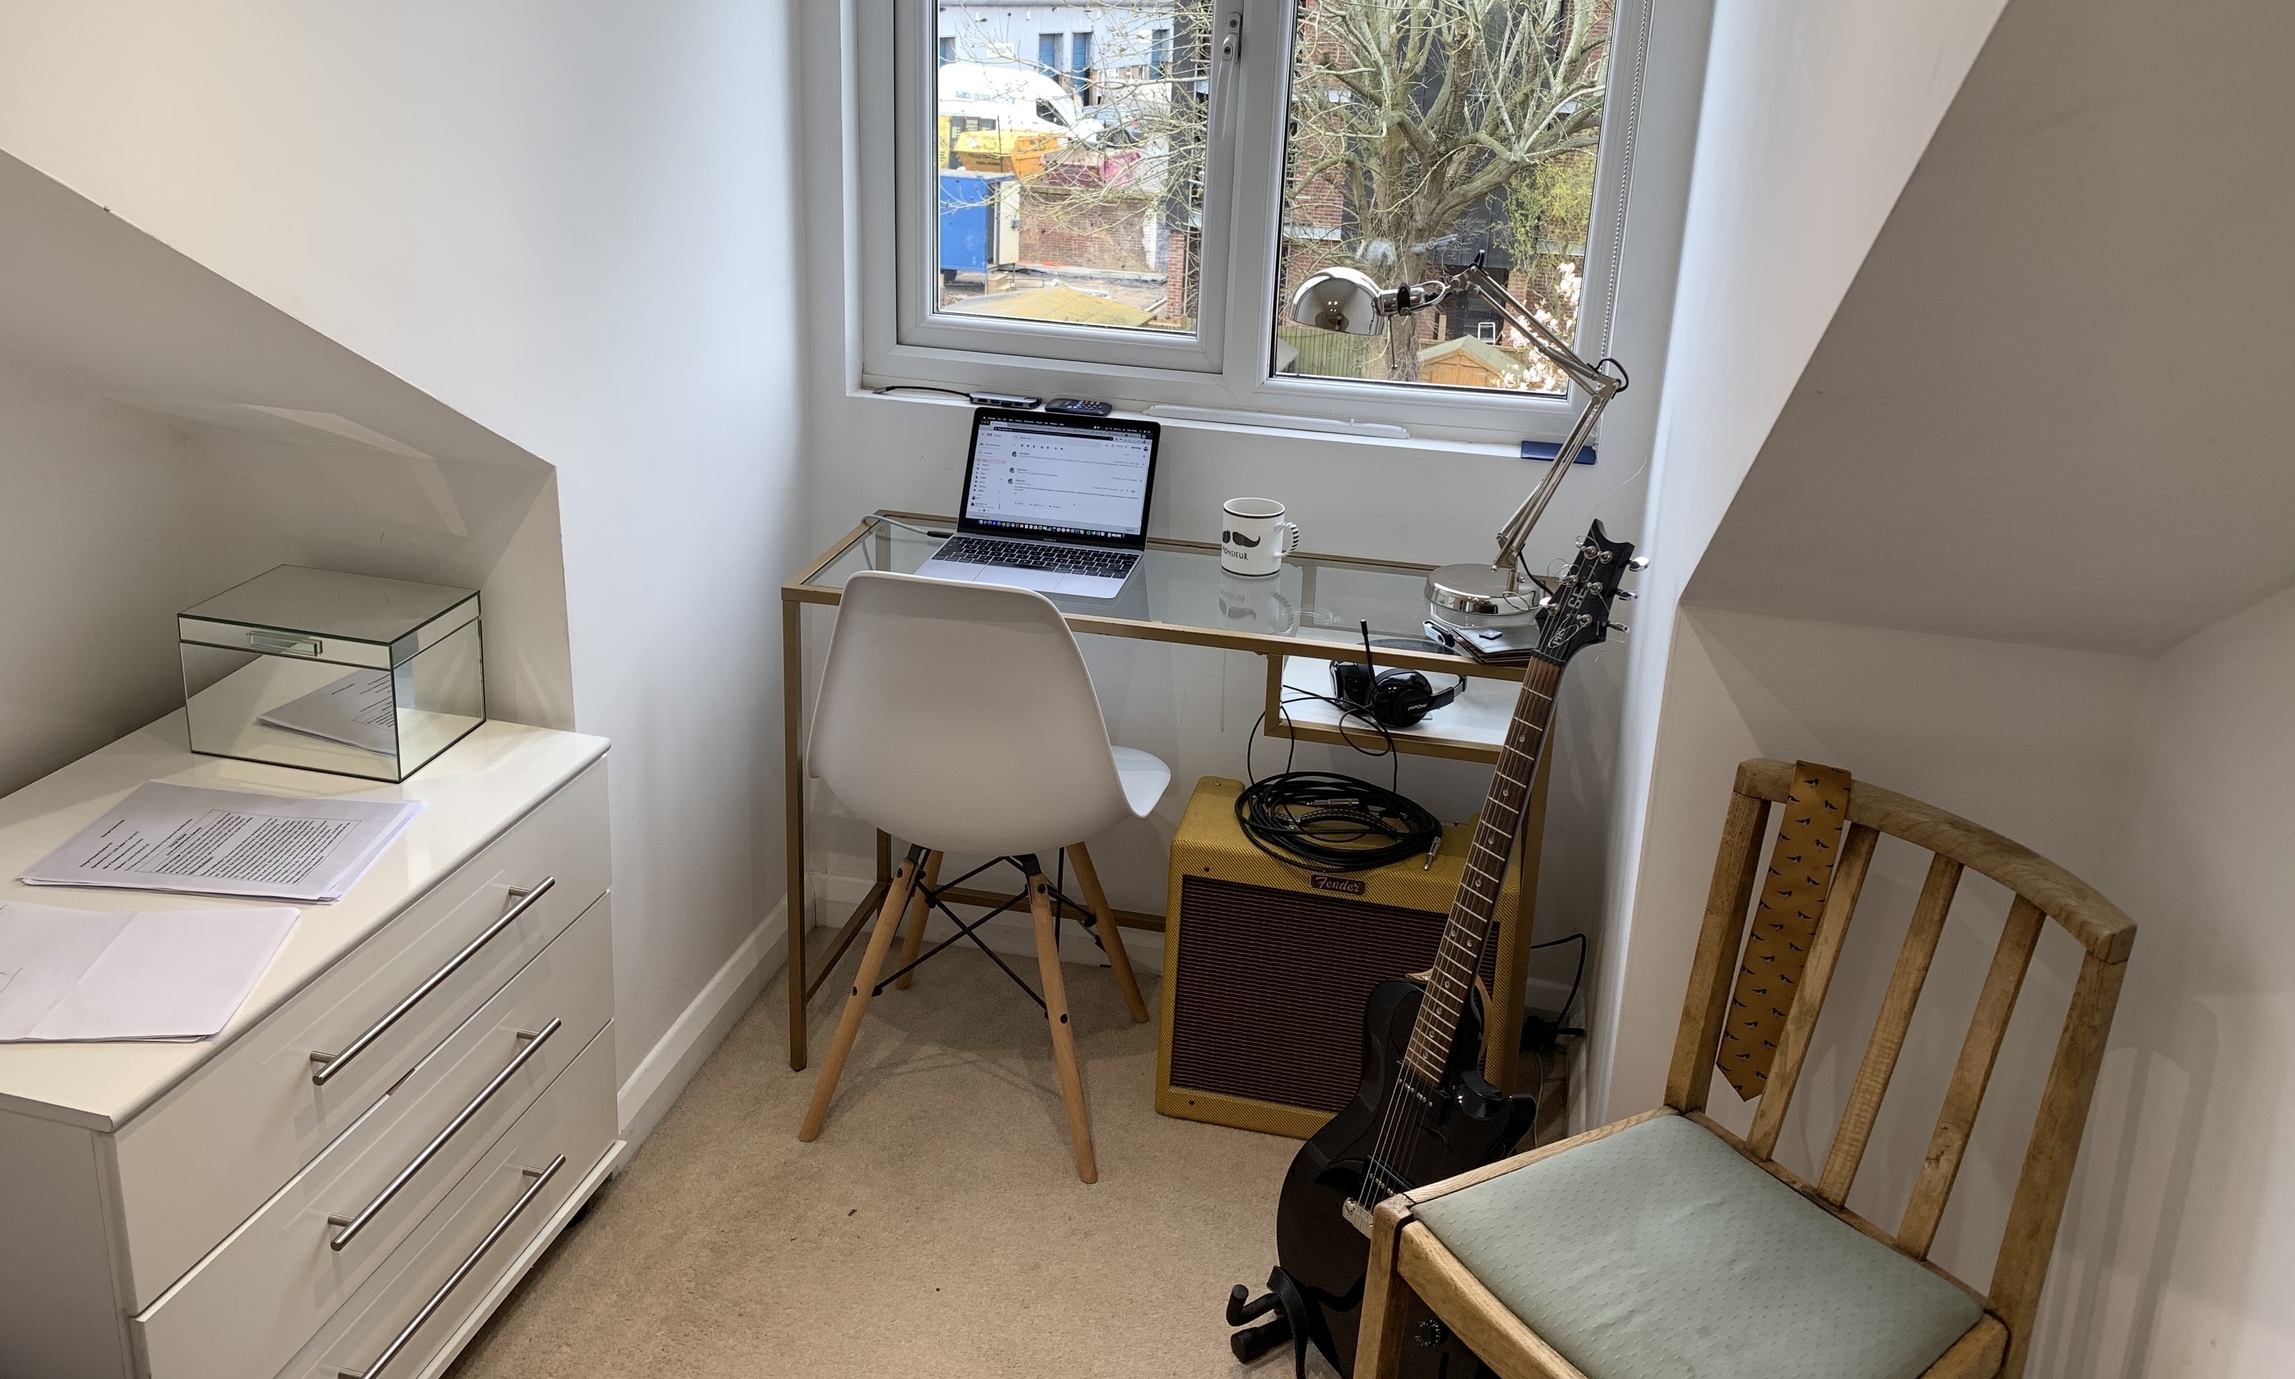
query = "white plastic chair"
{"x": 960, "y": 717}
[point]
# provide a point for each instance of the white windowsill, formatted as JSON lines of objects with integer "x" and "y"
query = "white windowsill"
{"x": 1433, "y": 445}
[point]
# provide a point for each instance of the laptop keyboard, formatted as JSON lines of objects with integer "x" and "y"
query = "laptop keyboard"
{"x": 1028, "y": 555}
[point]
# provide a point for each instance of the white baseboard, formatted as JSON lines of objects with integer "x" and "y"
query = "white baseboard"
{"x": 653, "y": 1086}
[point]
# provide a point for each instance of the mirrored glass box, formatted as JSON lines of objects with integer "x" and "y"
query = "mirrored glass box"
{"x": 333, "y": 672}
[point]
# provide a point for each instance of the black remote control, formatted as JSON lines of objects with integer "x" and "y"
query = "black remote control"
{"x": 1079, "y": 407}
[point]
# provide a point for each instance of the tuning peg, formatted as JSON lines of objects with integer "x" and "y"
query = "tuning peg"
{"x": 1638, "y": 564}
{"x": 1619, "y": 627}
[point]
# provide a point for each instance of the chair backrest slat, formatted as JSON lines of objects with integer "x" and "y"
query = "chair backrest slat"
{"x": 1816, "y": 979}
{"x": 2038, "y": 1208}
{"x": 1889, "y": 1028}
{"x": 1994, "y": 1005}
{"x": 1715, "y": 967}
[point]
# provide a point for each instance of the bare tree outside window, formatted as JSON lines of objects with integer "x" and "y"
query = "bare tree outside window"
{"x": 1424, "y": 132}
{"x": 1421, "y": 133}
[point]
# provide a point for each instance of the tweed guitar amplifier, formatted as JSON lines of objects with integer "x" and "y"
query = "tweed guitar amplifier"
{"x": 1267, "y": 965}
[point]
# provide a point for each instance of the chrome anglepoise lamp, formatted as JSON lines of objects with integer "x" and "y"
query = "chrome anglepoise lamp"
{"x": 1343, "y": 299}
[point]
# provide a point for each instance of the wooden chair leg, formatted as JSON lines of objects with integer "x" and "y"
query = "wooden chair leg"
{"x": 849, "y": 1025}
{"x": 1104, "y": 918}
{"x": 1386, "y": 1303}
{"x": 919, "y": 914}
{"x": 1063, "y": 1035}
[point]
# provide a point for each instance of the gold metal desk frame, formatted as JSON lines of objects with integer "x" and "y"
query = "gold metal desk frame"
{"x": 1384, "y": 592}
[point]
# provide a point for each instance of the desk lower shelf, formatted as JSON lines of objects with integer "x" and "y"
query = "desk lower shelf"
{"x": 1472, "y": 728}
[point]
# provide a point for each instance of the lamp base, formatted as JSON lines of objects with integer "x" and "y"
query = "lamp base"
{"x": 1485, "y": 593}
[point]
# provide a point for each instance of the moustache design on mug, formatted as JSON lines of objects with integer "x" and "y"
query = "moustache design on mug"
{"x": 1238, "y": 538}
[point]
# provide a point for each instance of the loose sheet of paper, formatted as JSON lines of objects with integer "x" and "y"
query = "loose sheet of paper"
{"x": 77, "y": 975}
{"x": 358, "y": 710}
{"x": 226, "y": 842}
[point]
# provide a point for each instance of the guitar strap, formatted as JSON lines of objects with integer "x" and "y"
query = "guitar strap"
{"x": 1792, "y": 899}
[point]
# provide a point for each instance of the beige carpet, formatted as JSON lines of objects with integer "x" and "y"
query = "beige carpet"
{"x": 936, "y": 1228}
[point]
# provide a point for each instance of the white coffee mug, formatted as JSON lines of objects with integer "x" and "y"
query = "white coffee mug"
{"x": 1253, "y": 537}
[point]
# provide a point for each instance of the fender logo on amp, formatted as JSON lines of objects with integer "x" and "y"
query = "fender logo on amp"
{"x": 1345, "y": 885}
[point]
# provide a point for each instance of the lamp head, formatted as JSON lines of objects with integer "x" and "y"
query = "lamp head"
{"x": 1340, "y": 299}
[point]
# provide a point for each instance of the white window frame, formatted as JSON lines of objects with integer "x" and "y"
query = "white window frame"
{"x": 1226, "y": 364}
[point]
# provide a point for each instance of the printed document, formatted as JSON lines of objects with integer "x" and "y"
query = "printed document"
{"x": 225, "y": 842}
{"x": 357, "y": 711}
{"x": 152, "y": 974}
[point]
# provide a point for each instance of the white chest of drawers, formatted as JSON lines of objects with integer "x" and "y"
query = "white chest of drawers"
{"x": 416, "y": 1098}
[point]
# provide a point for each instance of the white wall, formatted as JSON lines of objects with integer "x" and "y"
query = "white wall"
{"x": 573, "y": 223}
{"x": 1423, "y": 502}
{"x": 1814, "y": 116}
{"x": 102, "y": 512}
{"x": 2180, "y": 1241}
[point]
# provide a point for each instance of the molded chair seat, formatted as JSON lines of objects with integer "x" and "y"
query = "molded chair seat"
{"x": 1660, "y": 1252}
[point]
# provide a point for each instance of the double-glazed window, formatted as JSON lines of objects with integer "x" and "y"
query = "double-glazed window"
{"x": 1132, "y": 192}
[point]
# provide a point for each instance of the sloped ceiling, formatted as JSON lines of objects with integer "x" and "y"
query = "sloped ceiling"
{"x": 2053, "y": 406}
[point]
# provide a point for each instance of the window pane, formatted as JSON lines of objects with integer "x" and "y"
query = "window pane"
{"x": 1070, "y": 153}
{"x": 1423, "y": 133}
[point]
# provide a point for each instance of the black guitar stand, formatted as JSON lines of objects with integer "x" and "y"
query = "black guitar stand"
{"x": 1293, "y": 1326}
{"x": 1061, "y": 904}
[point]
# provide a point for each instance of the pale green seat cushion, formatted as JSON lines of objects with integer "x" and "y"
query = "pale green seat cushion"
{"x": 1661, "y": 1253}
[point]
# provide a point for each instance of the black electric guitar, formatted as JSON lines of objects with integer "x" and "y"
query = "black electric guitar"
{"x": 1423, "y": 1111}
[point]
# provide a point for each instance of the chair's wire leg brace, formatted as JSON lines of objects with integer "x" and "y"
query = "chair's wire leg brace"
{"x": 1061, "y": 903}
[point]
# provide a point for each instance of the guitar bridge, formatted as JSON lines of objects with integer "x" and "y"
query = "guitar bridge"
{"x": 1358, "y": 1215}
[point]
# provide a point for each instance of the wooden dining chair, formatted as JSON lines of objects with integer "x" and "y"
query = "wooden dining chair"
{"x": 1665, "y": 1245}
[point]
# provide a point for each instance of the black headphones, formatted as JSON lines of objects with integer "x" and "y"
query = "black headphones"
{"x": 1389, "y": 698}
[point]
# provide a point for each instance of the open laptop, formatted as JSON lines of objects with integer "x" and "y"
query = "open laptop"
{"x": 1053, "y": 503}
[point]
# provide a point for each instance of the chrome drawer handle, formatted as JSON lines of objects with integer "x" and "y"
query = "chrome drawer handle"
{"x": 352, "y": 1225}
{"x": 541, "y": 1178}
{"x": 332, "y": 1063}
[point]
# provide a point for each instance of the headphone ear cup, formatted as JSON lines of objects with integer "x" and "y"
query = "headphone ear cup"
{"x": 1404, "y": 697}
{"x": 1351, "y": 685}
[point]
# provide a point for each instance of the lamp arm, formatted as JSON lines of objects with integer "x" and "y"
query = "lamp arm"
{"x": 1599, "y": 386}
{"x": 1545, "y": 341}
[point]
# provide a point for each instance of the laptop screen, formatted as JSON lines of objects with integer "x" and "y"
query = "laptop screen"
{"x": 1032, "y": 474}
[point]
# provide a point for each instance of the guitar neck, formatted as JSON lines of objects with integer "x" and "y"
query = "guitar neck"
{"x": 1476, "y": 905}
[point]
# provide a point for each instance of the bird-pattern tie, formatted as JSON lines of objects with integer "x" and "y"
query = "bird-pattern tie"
{"x": 1784, "y": 923}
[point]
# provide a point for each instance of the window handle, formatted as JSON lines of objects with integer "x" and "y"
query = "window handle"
{"x": 1223, "y": 99}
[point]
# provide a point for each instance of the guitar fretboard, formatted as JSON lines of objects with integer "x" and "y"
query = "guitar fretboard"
{"x": 1476, "y": 905}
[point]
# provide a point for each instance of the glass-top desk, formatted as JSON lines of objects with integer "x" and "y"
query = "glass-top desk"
{"x": 1299, "y": 619}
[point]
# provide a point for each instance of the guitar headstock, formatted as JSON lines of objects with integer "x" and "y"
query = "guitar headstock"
{"x": 1578, "y": 615}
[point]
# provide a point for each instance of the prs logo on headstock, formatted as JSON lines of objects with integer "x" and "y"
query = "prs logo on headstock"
{"x": 1578, "y": 614}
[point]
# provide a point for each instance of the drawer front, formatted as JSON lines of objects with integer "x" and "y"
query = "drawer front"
{"x": 575, "y": 1120}
{"x": 200, "y": 1162}
{"x": 437, "y": 1123}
